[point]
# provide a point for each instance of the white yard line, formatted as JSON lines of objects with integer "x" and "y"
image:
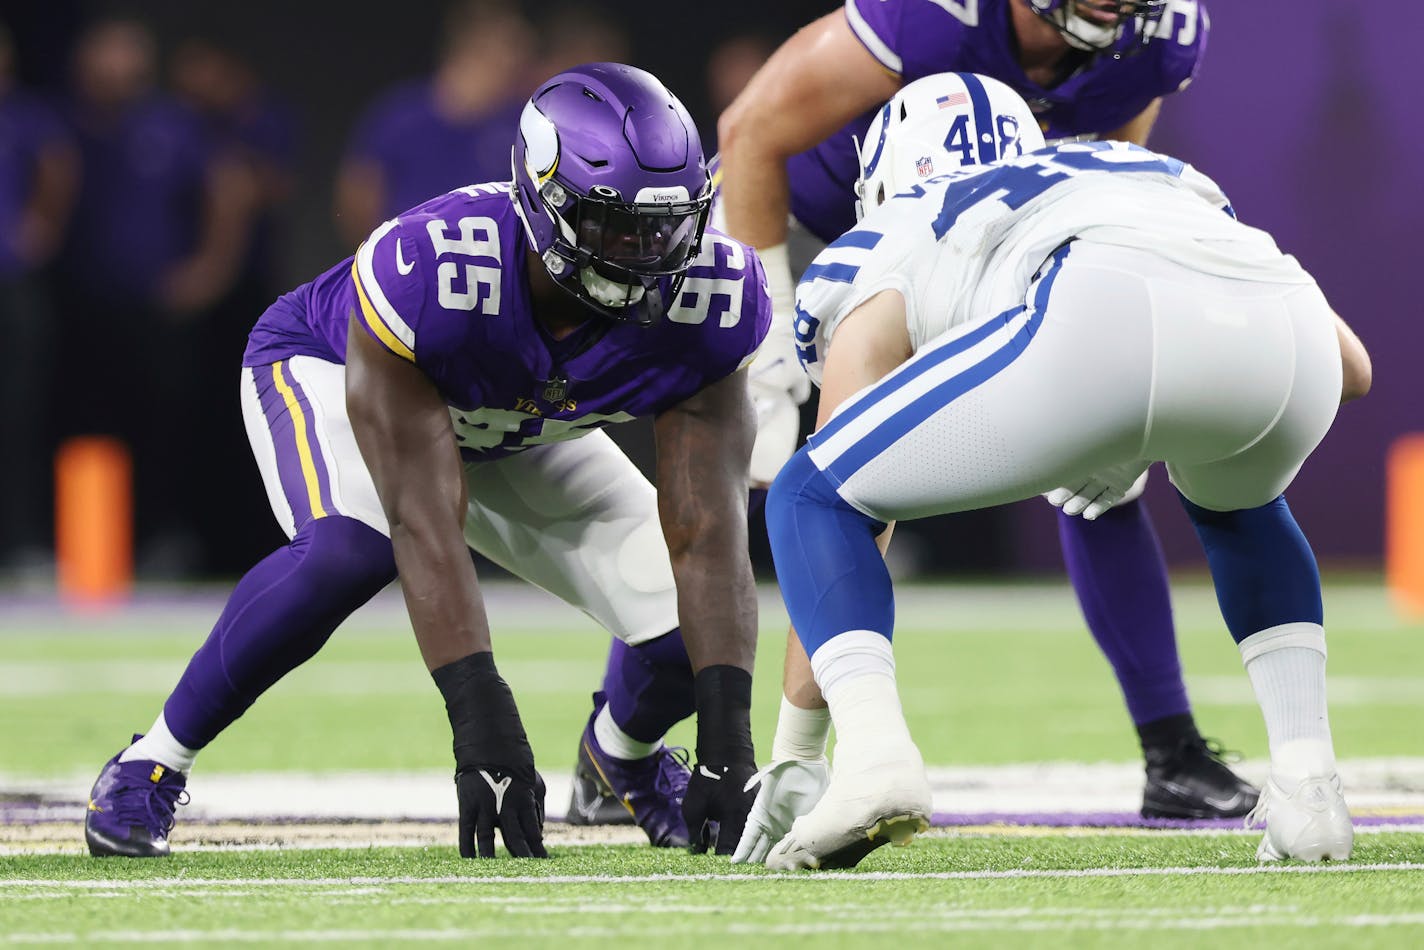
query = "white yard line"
{"x": 158, "y": 884}
{"x": 1065, "y": 920}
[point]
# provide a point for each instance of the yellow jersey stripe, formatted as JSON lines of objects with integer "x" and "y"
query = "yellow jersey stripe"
{"x": 374, "y": 321}
{"x": 299, "y": 428}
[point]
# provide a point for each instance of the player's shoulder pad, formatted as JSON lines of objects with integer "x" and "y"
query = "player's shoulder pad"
{"x": 390, "y": 293}
{"x": 723, "y": 301}
{"x": 396, "y": 269}
{"x": 1179, "y": 41}
{"x": 896, "y": 30}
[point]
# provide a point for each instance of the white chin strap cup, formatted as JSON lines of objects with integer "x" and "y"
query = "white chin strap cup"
{"x": 608, "y": 292}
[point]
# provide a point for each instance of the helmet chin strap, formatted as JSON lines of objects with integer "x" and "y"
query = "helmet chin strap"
{"x": 1088, "y": 36}
{"x": 610, "y": 293}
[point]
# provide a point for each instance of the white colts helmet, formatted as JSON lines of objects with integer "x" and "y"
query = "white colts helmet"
{"x": 939, "y": 124}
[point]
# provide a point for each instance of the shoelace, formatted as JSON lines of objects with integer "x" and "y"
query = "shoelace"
{"x": 674, "y": 771}
{"x": 1256, "y": 818}
{"x": 150, "y": 805}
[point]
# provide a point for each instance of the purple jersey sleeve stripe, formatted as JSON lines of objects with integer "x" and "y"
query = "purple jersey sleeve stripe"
{"x": 373, "y": 321}
{"x": 871, "y": 40}
{"x": 309, "y": 462}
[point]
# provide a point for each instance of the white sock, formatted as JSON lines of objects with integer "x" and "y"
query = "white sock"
{"x": 158, "y": 745}
{"x": 617, "y": 743}
{"x": 856, "y": 673}
{"x": 1287, "y": 669}
{"x": 800, "y": 733}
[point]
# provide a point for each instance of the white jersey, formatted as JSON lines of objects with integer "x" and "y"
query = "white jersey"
{"x": 965, "y": 246}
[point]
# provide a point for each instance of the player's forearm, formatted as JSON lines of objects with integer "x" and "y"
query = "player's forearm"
{"x": 1137, "y": 129}
{"x": 441, "y": 591}
{"x": 1357, "y": 372}
{"x": 717, "y": 607}
{"x": 756, "y": 194}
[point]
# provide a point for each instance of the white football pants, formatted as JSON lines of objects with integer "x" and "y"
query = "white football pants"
{"x": 576, "y": 518}
{"x": 1118, "y": 357}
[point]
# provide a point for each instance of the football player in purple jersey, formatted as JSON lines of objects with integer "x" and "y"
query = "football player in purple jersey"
{"x": 1088, "y": 69}
{"x": 441, "y": 391}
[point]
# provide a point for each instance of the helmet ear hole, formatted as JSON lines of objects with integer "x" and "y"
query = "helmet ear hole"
{"x": 880, "y": 194}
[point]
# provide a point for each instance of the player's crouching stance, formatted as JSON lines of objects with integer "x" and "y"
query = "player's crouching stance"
{"x": 1133, "y": 320}
{"x": 471, "y": 350}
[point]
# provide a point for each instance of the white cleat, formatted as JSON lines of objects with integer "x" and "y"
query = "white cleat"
{"x": 1308, "y": 823}
{"x": 870, "y": 802}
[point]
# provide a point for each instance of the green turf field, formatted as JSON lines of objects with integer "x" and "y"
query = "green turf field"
{"x": 991, "y": 676}
{"x": 1168, "y": 891}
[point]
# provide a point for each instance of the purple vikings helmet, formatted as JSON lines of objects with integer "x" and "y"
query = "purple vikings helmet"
{"x": 1102, "y": 25}
{"x": 611, "y": 186}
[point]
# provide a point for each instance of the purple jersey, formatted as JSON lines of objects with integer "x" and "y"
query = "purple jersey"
{"x": 422, "y": 153}
{"x": 445, "y": 286}
{"x": 27, "y": 128}
{"x": 917, "y": 38}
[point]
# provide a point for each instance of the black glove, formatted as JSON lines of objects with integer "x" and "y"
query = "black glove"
{"x": 492, "y": 797}
{"x": 717, "y": 801}
{"x": 495, "y": 780}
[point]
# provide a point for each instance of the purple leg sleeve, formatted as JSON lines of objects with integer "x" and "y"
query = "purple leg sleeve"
{"x": 649, "y": 686}
{"x": 279, "y": 615}
{"x": 1119, "y": 574}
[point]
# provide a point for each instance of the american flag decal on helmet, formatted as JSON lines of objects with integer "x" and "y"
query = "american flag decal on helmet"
{"x": 952, "y": 100}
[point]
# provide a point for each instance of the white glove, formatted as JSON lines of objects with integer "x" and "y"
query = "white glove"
{"x": 778, "y": 429}
{"x": 778, "y": 383}
{"x": 1101, "y": 491}
{"x": 789, "y": 790}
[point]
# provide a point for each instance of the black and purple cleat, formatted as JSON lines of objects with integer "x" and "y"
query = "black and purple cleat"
{"x": 651, "y": 789}
{"x": 131, "y": 808}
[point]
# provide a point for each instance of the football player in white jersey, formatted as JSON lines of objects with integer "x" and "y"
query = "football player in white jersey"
{"x": 1047, "y": 324}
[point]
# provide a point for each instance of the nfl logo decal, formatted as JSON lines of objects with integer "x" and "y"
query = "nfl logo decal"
{"x": 556, "y": 389}
{"x": 924, "y": 166}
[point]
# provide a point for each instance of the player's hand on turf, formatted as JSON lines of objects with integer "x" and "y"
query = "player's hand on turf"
{"x": 715, "y": 809}
{"x": 785, "y": 791}
{"x": 512, "y": 800}
{"x": 495, "y": 780}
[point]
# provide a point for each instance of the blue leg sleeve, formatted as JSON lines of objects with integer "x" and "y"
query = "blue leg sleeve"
{"x": 1264, "y": 571}
{"x": 832, "y": 576}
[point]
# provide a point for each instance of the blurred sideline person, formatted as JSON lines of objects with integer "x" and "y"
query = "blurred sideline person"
{"x": 428, "y": 136}
{"x": 156, "y": 240}
{"x": 442, "y": 392}
{"x": 254, "y": 128}
{"x": 1089, "y": 69}
{"x": 1051, "y": 323}
{"x": 579, "y": 32}
{"x": 39, "y": 176}
{"x": 730, "y": 67}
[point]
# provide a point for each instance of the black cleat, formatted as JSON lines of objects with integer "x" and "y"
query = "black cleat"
{"x": 1190, "y": 779}
{"x": 592, "y": 801}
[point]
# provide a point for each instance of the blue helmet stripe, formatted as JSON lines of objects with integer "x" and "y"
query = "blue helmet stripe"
{"x": 983, "y": 117}
{"x": 880, "y": 145}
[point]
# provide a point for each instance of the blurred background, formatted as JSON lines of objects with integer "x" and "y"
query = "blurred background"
{"x": 168, "y": 168}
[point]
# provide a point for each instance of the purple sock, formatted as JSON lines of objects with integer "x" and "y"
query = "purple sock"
{"x": 1119, "y": 574}
{"x": 279, "y": 615}
{"x": 649, "y": 686}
